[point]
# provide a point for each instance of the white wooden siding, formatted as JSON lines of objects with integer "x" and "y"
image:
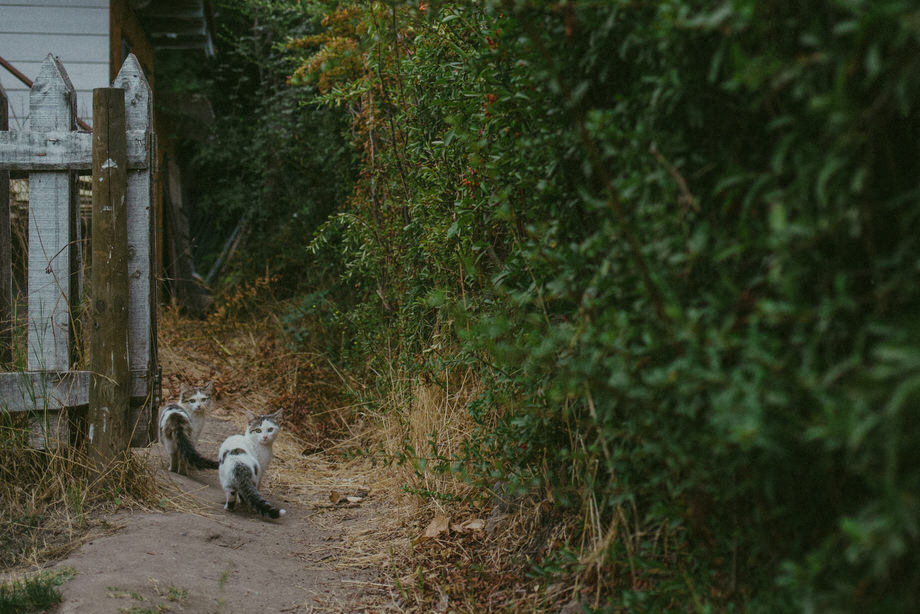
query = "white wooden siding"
{"x": 57, "y": 3}
{"x": 66, "y": 20}
{"x": 76, "y": 31}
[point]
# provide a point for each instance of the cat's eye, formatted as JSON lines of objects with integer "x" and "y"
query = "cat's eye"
{"x": 256, "y": 430}
{"x": 271, "y": 430}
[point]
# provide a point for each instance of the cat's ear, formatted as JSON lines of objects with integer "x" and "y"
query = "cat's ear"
{"x": 208, "y": 388}
{"x": 277, "y": 415}
{"x": 250, "y": 416}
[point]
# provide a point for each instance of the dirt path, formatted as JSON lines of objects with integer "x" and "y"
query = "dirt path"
{"x": 208, "y": 560}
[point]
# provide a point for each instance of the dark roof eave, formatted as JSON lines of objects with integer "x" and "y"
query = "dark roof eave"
{"x": 179, "y": 24}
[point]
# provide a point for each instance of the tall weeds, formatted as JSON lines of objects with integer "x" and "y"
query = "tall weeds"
{"x": 50, "y": 498}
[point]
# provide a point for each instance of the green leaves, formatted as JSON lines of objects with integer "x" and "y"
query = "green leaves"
{"x": 677, "y": 239}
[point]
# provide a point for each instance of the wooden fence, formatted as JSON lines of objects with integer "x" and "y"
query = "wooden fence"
{"x": 112, "y": 399}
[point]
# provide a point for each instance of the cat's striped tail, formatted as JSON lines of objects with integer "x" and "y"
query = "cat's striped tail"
{"x": 246, "y": 487}
{"x": 176, "y": 426}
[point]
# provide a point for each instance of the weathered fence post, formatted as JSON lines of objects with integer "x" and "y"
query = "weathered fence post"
{"x": 110, "y": 376}
{"x": 6, "y": 249}
{"x": 141, "y": 241}
{"x": 53, "y": 239}
{"x": 121, "y": 387}
{"x": 52, "y": 109}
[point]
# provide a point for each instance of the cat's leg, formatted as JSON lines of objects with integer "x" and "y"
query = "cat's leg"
{"x": 174, "y": 461}
{"x": 231, "y": 499}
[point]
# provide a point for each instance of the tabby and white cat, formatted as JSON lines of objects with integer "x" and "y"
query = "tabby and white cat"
{"x": 180, "y": 426}
{"x": 244, "y": 459}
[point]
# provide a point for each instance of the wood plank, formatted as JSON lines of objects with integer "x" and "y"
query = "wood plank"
{"x": 48, "y": 271}
{"x": 52, "y": 3}
{"x": 110, "y": 376}
{"x": 142, "y": 302}
{"x": 40, "y": 390}
{"x": 141, "y": 289}
{"x": 51, "y": 151}
{"x": 49, "y": 430}
{"x": 51, "y": 101}
{"x": 6, "y": 247}
{"x": 50, "y": 241}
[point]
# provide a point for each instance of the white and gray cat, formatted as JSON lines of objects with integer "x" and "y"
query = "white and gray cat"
{"x": 180, "y": 426}
{"x": 244, "y": 459}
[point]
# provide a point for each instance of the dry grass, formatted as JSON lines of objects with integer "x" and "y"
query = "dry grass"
{"x": 242, "y": 350}
{"x": 429, "y": 418}
{"x": 50, "y": 500}
{"x": 252, "y": 369}
{"x": 244, "y": 354}
{"x": 462, "y": 569}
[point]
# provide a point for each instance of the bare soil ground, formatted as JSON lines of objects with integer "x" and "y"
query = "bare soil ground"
{"x": 205, "y": 559}
{"x": 357, "y": 537}
{"x": 327, "y": 554}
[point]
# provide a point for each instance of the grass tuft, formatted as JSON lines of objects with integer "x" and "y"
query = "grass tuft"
{"x": 36, "y": 593}
{"x": 50, "y": 498}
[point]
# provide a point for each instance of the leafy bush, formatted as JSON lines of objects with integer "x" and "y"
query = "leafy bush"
{"x": 678, "y": 241}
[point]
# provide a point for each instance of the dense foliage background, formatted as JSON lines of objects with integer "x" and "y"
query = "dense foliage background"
{"x": 676, "y": 240}
{"x": 273, "y": 168}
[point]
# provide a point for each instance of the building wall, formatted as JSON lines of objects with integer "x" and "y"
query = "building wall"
{"x": 92, "y": 38}
{"x": 76, "y": 31}
{"x": 127, "y": 36}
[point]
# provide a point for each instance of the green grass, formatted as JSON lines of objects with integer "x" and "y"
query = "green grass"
{"x": 177, "y": 594}
{"x": 37, "y": 593}
{"x": 171, "y": 593}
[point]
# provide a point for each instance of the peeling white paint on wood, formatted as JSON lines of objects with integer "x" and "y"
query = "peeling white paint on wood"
{"x": 54, "y": 391}
{"x": 141, "y": 224}
{"x": 58, "y": 151}
{"x": 52, "y": 206}
{"x": 51, "y": 151}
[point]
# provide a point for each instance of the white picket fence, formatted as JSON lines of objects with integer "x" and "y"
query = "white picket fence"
{"x": 53, "y": 153}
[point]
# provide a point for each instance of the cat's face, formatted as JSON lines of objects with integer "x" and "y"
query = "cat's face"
{"x": 264, "y": 429}
{"x": 196, "y": 399}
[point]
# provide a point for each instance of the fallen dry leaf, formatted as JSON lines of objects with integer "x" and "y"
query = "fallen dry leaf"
{"x": 335, "y": 497}
{"x": 476, "y": 524}
{"x": 439, "y": 524}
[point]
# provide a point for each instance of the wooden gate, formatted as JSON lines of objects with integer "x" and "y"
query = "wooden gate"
{"x": 108, "y": 394}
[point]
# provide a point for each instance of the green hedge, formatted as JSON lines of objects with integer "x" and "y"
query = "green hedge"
{"x": 681, "y": 242}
